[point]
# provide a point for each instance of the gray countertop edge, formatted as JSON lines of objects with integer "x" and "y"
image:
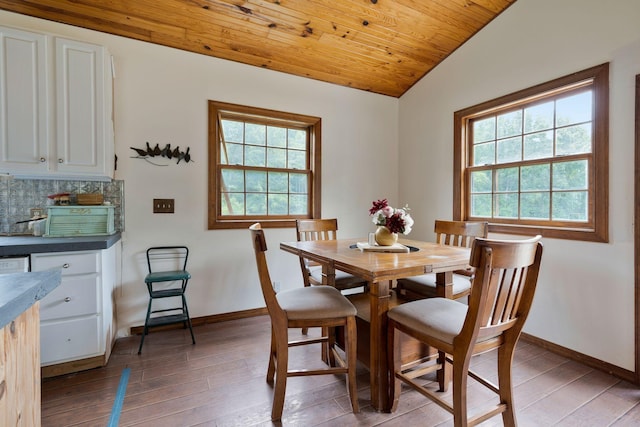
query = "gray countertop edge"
{"x": 19, "y": 291}
{"x": 25, "y": 245}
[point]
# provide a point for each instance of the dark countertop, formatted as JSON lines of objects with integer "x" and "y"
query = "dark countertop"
{"x": 20, "y": 291}
{"x": 25, "y": 245}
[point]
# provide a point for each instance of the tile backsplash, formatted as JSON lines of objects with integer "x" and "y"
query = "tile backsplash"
{"x": 18, "y": 196}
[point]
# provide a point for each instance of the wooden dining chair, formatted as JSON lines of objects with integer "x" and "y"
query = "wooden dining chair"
{"x": 453, "y": 233}
{"x": 322, "y": 229}
{"x": 305, "y": 307}
{"x": 503, "y": 288}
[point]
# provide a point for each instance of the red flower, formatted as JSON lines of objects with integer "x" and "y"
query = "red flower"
{"x": 395, "y": 223}
{"x": 377, "y": 205}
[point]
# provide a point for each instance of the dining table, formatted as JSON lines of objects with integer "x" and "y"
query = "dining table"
{"x": 380, "y": 269}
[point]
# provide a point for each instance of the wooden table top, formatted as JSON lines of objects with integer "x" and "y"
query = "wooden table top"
{"x": 378, "y": 266}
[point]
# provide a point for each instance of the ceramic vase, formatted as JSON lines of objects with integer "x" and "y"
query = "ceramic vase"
{"x": 384, "y": 237}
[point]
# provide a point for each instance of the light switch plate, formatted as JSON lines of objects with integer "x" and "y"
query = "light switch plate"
{"x": 163, "y": 205}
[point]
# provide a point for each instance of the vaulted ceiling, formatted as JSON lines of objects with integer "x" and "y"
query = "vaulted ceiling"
{"x": 381, "y": 46}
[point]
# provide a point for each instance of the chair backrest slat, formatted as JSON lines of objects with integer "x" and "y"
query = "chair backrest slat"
{"x": 459, "y": 233}
{"x": 504, "y": 285}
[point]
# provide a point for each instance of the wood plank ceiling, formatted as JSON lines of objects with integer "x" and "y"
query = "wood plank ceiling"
{"x": 381, "y": 46}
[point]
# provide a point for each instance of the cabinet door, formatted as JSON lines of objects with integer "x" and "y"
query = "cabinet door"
{"x": 24, "y": 135}
{"x": 81, "y": 122}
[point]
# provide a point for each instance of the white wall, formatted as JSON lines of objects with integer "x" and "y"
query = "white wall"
{"x": 585, "y": 298}
{"x": 160, "y": 96}
{"x": 585, "y": 290}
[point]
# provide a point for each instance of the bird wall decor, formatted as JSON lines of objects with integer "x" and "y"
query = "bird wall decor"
{"x": 166, "y": 152}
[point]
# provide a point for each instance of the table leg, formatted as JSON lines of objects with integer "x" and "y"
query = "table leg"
{"x": 378, "y": 370}
{"x": 444, "y": 286}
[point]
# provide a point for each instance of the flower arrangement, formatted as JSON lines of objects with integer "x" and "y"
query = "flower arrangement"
{"x": 396, "y": 220}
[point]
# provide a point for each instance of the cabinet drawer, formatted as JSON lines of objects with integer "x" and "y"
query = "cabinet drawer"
{"x": 76, "y": 296}
{"x": 69, "y": 262}
{"x": 71, "y": 339}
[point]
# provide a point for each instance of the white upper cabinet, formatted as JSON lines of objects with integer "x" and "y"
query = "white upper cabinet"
{"x": 24, "y": 121}
{"x": 56, "y": 111}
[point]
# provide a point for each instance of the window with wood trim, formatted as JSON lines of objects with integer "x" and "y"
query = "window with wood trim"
{"x": 264, "y": 166}
{"x": 536, "y": 161}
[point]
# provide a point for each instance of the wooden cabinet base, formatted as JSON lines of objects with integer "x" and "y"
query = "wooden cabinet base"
{"x": 74, "y": 366}
{"x": 19, "y": 370}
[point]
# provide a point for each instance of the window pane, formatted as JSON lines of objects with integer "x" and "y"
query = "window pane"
{"x": 570, "y": 206}
{"x": 535, "y": 177}
{"x": 278, "y": 204}
{"x": 256, "y": 181}
{"x": 538, "y": 117}
{"x": 570, "y": 175}
{"x": 297, "y": 139}
{"x": 276, "y": 137}
{"x": 233, "y": 180}
{"x": 254, "y": 156}
{"x": 506, "y": 206}
{"x": 255, "y": 134}
{"x": 510, "y": 150}
{"x": 534, "y": 205}
{"x": 232, "y": 203}
{"x": 276, "y": 158}
{"x": 481, "y": 205}
{"x": 538, "y": 145}
{"x": 298, "y": 183}
{"x": 298, "y": 204}
{"x": 574, "y": 109}
{"x": 297, "y": 159}
{"x": 481, "y": 182}
{"x": 232, "y": 131}
{"x": 484, "y": 130}
{"x": 573, "y": 140}
{"x": 484, "y": 154}
{"x": 510, "y": 124}
{"x": 234, "y": 151}
{"x": 256, "y": 204}
{"x": 507, "y": 179}
{"x": 278, "y": 182}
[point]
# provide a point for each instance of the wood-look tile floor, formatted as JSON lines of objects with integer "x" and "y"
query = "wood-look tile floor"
{"x": 220, "y": 381}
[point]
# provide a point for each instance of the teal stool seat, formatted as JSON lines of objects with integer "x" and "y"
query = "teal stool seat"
{"x": 180, "y": 314}
{"x": 167, "y": 276}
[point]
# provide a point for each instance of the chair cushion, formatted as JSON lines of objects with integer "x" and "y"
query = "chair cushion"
{"x": 425, "y": 284}
{"x": 315, "y": 302}
{"x": 343, "y": 280}
{"x": 441, "y": 318}
{"x": 167, "y": 276}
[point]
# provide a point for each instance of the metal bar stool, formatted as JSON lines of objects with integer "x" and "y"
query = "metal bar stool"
{"x": 173, "y": 254}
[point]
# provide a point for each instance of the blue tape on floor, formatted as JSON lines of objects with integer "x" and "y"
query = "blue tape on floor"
{"x": 117, "y": 404}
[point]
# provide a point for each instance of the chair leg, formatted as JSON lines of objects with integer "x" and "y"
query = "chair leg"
{"x": 330, "y": 345}
{"x": 282, "y": 363}
{"x": 186, "y": 311}
{"x": 460, "y": 376}
{"x": 273, "y": 358}
{"x": 394, "y": 356}
{"x": 444, "y": 373}
{"x": 352, "y": 358}
{"x": 505, "y": 358}
{"x": 146, "y": 326}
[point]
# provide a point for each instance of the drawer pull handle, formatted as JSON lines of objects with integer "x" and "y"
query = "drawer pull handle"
{"x": 42, "y": 160}
{"x": 65, "y": 265}
{"x": 60, "y": 161}
{"x": 67, "y": 299}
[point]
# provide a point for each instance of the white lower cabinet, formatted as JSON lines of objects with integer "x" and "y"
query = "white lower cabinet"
{"x": 76, "y": 318}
